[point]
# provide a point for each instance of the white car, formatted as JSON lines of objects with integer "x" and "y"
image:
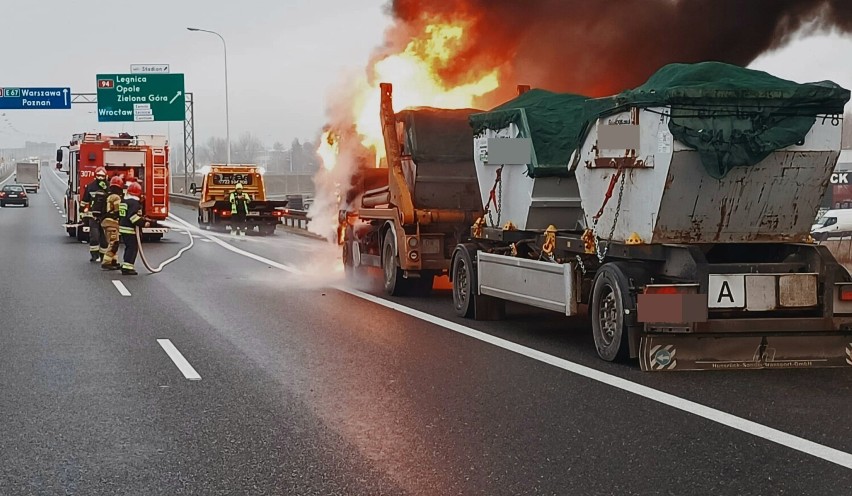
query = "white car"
{"x": 831, "y": 223}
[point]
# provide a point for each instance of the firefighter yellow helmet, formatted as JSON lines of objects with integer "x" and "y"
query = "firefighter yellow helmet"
{"x": 239, "y": 186}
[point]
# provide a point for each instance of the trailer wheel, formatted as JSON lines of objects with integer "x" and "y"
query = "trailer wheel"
{"x": 395, "y": 284}
{"x": 610, "y": 299}
{"x": 464, "y": 283}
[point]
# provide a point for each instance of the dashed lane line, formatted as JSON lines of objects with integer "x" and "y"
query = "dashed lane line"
{"x": 182, "y": 364}
{"x": 121, "y": 288}
{"x": 732, "y": 421}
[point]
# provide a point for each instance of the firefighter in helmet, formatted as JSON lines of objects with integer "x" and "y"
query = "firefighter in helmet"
{"x": 110, "y": 223}
{"x": 93, "y": 203}
{"x": 129, "y": 219}
{"x": 239, "y": 209}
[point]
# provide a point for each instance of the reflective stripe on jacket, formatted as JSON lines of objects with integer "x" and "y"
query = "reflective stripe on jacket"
{"x": 241, "y": 199}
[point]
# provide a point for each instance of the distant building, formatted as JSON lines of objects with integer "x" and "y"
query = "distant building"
{"x": 839, "y": 193}
{"x": 42, "y": 150}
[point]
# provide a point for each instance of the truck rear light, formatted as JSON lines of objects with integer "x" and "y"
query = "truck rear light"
{"x": 226, "y": 213}
{"x": 671, "y": 289}
{"x": 845, "y": 292}
{"x": 278, "y": 213}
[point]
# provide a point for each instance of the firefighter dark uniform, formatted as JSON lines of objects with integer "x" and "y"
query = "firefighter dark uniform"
{"x": 110, "y": 223}
{"x": 129, "y": 218}
{"x": 239, "y": 209}
{"x": 93, "y": 203}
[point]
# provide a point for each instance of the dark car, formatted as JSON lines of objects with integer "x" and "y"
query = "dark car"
{"x": 12, "y": 194}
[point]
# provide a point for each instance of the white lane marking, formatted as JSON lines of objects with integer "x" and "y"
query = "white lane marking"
{"x": 738, "y": 423}
{"x": 238, "y": 251}
{"x": 121, "y": 288}
{"x": 178, "y": 359}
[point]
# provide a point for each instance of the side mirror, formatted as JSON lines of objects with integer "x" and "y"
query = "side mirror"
{"x": 192, "y": 188}
{"x": 59, "y": 155}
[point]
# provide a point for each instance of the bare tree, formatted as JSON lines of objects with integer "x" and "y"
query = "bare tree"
{"x": 213, "y": 151}
{"x": 247, "y": 149}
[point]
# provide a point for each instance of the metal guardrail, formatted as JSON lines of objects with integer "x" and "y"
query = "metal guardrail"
{"x": 296, "y": 219}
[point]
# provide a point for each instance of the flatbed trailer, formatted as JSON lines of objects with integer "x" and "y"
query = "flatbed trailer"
{"x": 679, "y": 265}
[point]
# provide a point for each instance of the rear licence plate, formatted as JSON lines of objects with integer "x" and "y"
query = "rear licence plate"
{"x": 254, "y": 213}
{"x": 13, "y": 196}
{"x": 762, "y": 292}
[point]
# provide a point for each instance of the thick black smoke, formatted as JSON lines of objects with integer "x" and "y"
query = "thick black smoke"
{"x": 599, "y": 48}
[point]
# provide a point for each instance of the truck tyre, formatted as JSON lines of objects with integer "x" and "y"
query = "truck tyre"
{"x": 464, "y": 282}
{"x": 348, "y": 254}
{"x": 610, "y": 299}
{"x": 395, "y": 284}
{"x": 466, "y": 301}
{"x": 267, "y": 230}
{"x": 348, "y": 263}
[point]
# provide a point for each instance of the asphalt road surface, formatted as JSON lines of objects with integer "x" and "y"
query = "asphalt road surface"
{"x": 247, "y": 367}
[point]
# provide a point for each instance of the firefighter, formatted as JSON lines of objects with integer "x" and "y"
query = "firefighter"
{"x": 239, "y": 209}
{"x": 110, "y": 223}
{"x": 129, "y": 218}
{"x": 93, "y": 203}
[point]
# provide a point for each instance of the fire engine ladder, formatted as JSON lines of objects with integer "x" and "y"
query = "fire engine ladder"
{"x": 160, "y": 178}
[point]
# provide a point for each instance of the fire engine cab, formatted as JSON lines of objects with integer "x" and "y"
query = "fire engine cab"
{"x": 143, "y": 157}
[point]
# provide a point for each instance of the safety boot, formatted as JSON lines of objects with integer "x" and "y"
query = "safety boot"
{"x": 94, "y": 256}
{"x": 129, "y": 272}
{"x": 111, "y": 266}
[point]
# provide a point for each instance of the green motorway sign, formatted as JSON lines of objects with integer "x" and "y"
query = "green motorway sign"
{"x": 141, "y": 97}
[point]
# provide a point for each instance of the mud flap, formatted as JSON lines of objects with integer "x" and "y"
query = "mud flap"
{"x": 735, "y": 352}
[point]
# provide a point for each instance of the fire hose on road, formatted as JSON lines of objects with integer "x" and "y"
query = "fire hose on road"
{"x": 159, "y": 268}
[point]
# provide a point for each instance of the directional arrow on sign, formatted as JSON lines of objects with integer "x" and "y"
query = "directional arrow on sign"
{"x": 65, "y": 94}
{"x": 179, "y": 93}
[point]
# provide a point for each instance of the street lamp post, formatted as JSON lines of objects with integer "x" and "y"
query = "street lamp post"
{"x": 227, "y": 113}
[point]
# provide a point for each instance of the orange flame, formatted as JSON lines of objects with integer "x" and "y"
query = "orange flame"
{"x": 328, "y": 150}
{"x": 415, "y": 74}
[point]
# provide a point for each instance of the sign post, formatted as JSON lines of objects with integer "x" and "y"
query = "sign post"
{"x": 35, "y": 98}
{"x": 141, "y": 97}
{"x": 149, "y": 68}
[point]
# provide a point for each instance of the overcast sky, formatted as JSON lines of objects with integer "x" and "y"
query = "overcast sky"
{"x": 283, "y": 57}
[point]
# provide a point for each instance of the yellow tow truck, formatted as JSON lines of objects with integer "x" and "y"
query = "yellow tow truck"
{"x": 214, "y": 207}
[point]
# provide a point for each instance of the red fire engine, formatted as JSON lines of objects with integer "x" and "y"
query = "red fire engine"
{"x": 143, "y": 157}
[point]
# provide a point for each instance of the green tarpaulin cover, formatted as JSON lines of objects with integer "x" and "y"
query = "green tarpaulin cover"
{"x": 733, "y": 116}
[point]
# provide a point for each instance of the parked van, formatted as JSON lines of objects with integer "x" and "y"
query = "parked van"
{"x": 832, "y": 223}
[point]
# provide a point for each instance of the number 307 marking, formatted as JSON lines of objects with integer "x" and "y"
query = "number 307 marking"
{"x": 87, "y": 174}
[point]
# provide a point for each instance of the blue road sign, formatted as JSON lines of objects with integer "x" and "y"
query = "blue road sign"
{"x": 35, "y": 98}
